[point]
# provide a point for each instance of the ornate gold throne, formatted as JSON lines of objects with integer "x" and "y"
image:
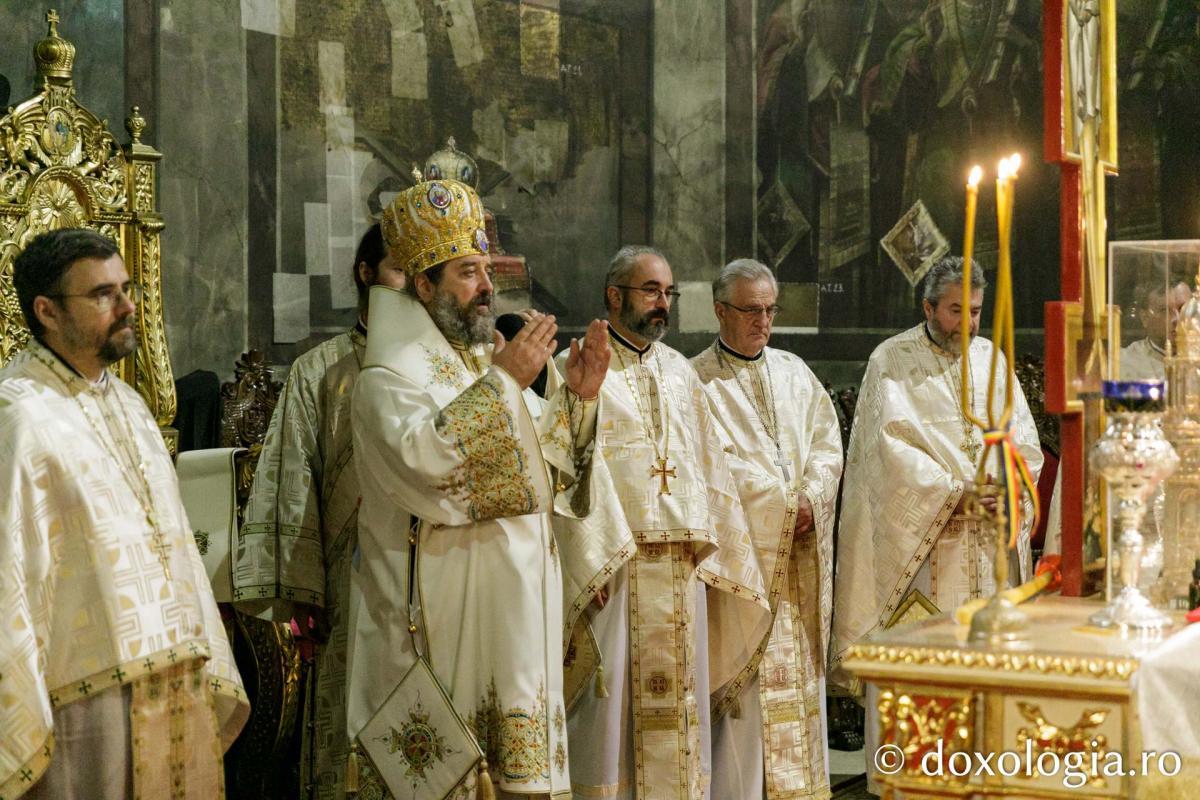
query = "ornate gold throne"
{"x": 60, "y": 167}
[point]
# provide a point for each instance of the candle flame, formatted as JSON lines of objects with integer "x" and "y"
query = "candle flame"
{"x": 975, "y": 177}
{"x": 1004, "y": 170}
{"x": 1014, "y": 162}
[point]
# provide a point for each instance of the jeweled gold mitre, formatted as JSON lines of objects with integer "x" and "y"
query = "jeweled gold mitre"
{"x": 434, "y": 222}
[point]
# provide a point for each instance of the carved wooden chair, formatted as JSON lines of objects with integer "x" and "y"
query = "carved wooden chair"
{"x": 60, "y": 167}
{"x": 267, "y": 653}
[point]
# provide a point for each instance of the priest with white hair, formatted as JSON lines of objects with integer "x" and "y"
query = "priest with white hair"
{"x": 769, "y": 728}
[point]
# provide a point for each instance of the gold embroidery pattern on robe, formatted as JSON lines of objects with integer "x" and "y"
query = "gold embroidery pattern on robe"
{"x": 370, "y": 785}
{"x": 171, "y": 714}
{"x": 666, "y": 730}
{"x": 559, "y": 434}
{"x": 524, "y": 747}
{"x": 733, "y": 691}
{"x": 560, "y": 752}
{"x": 492, "y": 478}
{"x": 129, "y": 671}
{"x": 443, "y": 370}
{"x": 30, "y": 772}
{"x": 515, "y": 742}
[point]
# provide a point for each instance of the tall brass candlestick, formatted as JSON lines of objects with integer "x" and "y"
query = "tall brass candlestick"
{"x": 1000, "y": 621}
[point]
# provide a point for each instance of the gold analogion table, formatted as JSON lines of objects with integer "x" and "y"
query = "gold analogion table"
{"x": 1075, "y": 712}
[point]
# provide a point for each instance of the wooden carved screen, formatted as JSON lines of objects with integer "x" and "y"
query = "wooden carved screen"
{"x": 60, "y": 167}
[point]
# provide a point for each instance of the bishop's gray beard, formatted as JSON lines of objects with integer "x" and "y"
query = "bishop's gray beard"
{"x": 463, "y": 324}
{"x": 645, "y": 325}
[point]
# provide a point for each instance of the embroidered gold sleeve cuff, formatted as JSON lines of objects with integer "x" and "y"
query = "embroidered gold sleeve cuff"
{"x": 492, "y": 477}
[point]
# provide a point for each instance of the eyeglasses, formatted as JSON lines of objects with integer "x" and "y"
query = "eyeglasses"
{"x": 106, "y": 298}
{"x": 650, "y": 293}
{"x": 770, "y": 311}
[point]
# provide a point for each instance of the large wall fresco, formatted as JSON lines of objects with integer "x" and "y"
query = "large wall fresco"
{"x": 866, "y": 107}
{"x": 801, "y": 132}
{"x": 367, "y": 89}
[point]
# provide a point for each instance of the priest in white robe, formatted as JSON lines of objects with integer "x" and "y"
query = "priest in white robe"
{"x": 1157, "y": 310}
{"x": 116, "y": 679}
{"x": 770, "y": 731}
{"x": 454, "y": 467}
{"x": 301, "y": 521}
{"x": 644, "y": 731}
{"x": 903, "y": 537}
{"x": 911, "y": 462}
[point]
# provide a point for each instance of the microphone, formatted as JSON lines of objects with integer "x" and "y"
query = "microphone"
{"x": 509, "y": 326}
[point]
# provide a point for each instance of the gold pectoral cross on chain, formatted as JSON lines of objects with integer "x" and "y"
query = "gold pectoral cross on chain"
{"x": 662, "y": 472}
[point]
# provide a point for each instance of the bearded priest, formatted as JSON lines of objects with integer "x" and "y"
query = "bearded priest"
{"x": 686, "y": 612}
{"x": 911, "y": 468}
{"x": 116, "y": 679}
{"x": 460, "y": 467}
{"x": 769, "y": 731}
{"x": 301, "y": 520}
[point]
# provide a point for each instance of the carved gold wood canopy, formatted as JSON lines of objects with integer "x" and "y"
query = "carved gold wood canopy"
{"x": 60, "y": 167}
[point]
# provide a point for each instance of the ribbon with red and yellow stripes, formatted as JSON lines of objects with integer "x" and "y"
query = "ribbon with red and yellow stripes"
{"x": 1014, "y": 476}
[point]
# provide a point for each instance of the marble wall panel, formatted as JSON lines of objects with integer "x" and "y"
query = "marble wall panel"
{"x": 688, "y": 152}
{"x": 202, "y": 134}
{"x": 694, "y": 309}
{"x": 276, "y": 17}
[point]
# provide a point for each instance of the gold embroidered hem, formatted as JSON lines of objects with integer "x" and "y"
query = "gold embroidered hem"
{"x": 29, "y": 773}
{"x": 129, "y": 671}
{"x": 733, "y": 587}
{"x": 666, "y": 724}
{"x": 514, "y": 741}
{"x": 292, "y": 539}
{"x": 584, "y": 597}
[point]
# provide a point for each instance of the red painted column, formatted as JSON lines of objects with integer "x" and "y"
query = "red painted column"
{"x": 1071, "y": 281}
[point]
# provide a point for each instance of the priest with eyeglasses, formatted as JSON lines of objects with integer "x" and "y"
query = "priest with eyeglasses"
{"x": 116, "y": 678}
{"x": 769, "y": 727}
{"x": 685, "y": 610}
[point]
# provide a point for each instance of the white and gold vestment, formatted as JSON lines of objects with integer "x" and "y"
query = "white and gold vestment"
{"x": 785, "y": 430}
{"x": 102, "y": 586}
{"x": 910, "y": 453}
{"x": 447, "y": 443}
{"x": 688, "y": 610}
{"x": 301, "y": 528}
